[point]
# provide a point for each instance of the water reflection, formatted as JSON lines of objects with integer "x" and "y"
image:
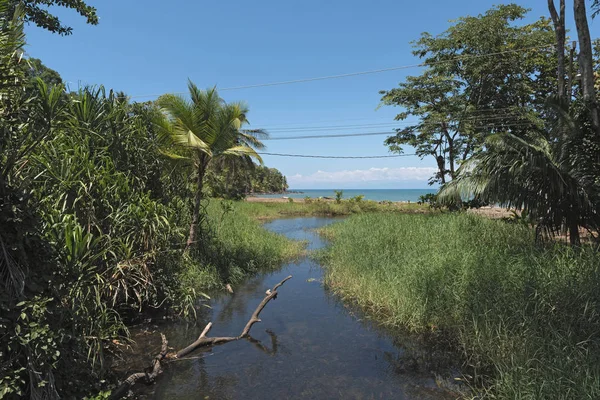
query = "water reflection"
{"x": 320, "y": 349}
{"x": 258, "y": 344}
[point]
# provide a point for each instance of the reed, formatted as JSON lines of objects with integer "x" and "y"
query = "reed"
{"x": 525, "y": 319}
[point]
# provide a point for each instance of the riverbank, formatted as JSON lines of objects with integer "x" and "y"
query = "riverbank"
{"x": 269, "y": 208}
{"x": 238, "y": 247}
{"x": 523, "y": 319}
{"x": 307, "y": 346}
{"x": 301, "y": 207}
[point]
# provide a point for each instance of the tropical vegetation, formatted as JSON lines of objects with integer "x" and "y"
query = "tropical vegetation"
{"x": 108, "y": 210}
{"x": 521, "y": 318}
{"x": 96, "y": 204}
{"x": 234, "y": 182}
{"x": 521, "y": 133}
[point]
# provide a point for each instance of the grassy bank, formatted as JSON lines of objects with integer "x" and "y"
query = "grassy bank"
{"x": 238, "y": 246}
{"x": 318, "y": 207}
{"x": 526, "y": 320}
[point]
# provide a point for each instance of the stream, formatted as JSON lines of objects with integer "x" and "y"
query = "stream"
{"x": 309, "y": 345}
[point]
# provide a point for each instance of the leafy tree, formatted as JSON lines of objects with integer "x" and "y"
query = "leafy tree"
{"x": 555, "y": 181}
{"x": 476, "y": 84}
{"x": 438, "y": 102}
{"x": 236, "y": 180}
{"x": 36, "y": 11}
{"x": 36, "y": 69}
{"x": 202, "y": 130}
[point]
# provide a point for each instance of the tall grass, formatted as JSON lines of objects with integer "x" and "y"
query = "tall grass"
{"x": 525, "y": 319}
{"x": 237, "y": 245}
{"x": 323, "y": 207}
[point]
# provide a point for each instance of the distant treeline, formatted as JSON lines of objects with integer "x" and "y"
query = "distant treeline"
{"x": 233, "y": 182}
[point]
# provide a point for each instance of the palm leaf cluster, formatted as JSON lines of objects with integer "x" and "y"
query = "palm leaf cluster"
{"x": 554, "y": 178}
{"x": 204, "y": 129}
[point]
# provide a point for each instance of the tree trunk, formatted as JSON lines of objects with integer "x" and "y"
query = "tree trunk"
{"x": 574, "y": 234}
{"x": 442, "y": 167}
{"x": 559, "y": 29}
{"x": 586, "y": 62}
{"x": 571, "y": 72}
{"x": 450, "y": 141}
{"x": 193, "y": 235}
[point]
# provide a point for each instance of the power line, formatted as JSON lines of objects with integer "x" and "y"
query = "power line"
{"x": 391, "y": 133}
{"x": 315, "y": 156}
{"x": 292, "y": 124}
{"x": 474, "y": 117}
{"x": 376, "y": 71}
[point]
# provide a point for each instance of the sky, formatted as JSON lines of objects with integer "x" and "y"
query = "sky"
{"x": 152, "y": 47}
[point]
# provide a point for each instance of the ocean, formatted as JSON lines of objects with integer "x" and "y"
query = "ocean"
{"x": 370, "y": 194}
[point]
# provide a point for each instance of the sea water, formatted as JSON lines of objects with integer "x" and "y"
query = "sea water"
{"x": 369, "y": 194}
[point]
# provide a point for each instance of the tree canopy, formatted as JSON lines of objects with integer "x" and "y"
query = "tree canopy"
{"x": 37, "y": 12}
{"x": 485, "y": 74}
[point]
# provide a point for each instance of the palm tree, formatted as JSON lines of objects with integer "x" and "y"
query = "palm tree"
{"x": 202, "y": 130}
{"x": 554, "y": 178}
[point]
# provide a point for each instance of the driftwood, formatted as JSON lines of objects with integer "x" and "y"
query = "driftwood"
{"x": 150, "y": 376}
{"x": 151, "y": 373}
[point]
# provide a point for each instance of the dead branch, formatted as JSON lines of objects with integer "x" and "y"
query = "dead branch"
{"x": 270, "y": 294}
{"x": 202, "y": 341}
{"x": 259, "y": 345}
{"x": 150, "y": 376}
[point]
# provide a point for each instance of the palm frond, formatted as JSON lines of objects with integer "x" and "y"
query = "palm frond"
{"x": 242, "y": 151}
{"x": 190, "y": 140}
{"x": 253, "y": 138}
{"x": 179, "y": 110}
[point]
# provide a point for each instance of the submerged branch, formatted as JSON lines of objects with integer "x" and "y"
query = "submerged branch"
{"x": 203, "y": 341}
{"x": 150, "y": 376}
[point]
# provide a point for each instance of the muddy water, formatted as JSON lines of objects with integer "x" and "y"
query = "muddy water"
{"x": 309, "y": 345}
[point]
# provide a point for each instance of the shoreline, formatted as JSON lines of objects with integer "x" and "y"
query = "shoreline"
{"x": 493, "y": 212}
{"x": 259, "y": 199}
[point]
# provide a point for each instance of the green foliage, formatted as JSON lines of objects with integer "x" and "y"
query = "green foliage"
{"x": 93, "y": 219}
{"x": 36, "y": 11}
{"x": 339, "y": 194}
{"x": 262, "y": 211}
{"x": 428, "y": 198}
{"x": 524, "y": 318}
{"x": 460, "y": 101}
{"x": 555, "y": 177}
{"x": 357, "y": 199}
{"x": 36, "y": 69}
{"x": 234, "y": 182}
{"x": 202, "y": 132}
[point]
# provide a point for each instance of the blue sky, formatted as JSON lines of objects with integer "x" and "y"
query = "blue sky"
{"x": 152, "y": 47}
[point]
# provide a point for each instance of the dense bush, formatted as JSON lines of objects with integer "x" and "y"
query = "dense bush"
{"x": 93, "y": 221}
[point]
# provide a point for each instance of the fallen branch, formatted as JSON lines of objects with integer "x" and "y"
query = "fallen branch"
{"x": 155, "y": 370}
{"x": 271, "y": 294}
{"x": 272, "y": 351}
{"x": 203, "y": 341}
